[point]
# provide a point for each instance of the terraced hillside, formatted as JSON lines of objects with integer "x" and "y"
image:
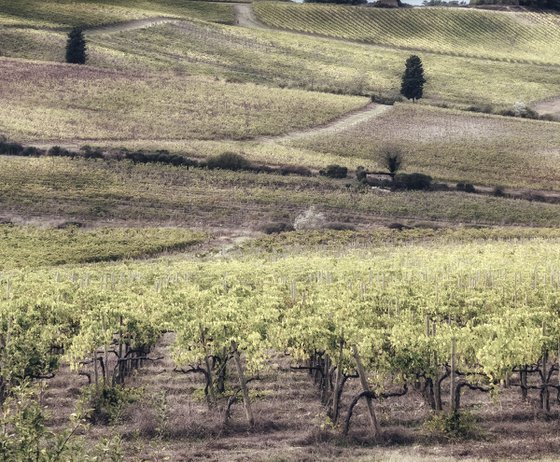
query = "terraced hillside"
{"x": 502, "y": 36}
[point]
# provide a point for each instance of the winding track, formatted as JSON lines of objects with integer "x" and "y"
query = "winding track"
{"x": 131, "y": 25}
{"x": 342, "y": 123}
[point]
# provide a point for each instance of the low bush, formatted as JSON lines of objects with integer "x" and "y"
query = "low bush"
{"x": 57, "y": 151}
{"x": 294, "y": 170}
{"x": 466, "y": 187}
{"x": 386, "y": 99}
{"x": 335, "y": 171}
{"x": 340, "y": 226}
{"x": 361, "y": 174}
{"x": 453, "y": 426}
{"x": 277, "y": 228}
{"x": 10, "y": 148}
{"x": 105, "y": 405}
{"x": 498, "y": 191}
{"x": 412, "y": 181}
{"x": 91, "y": 153}
{"x": 229, "y": 161}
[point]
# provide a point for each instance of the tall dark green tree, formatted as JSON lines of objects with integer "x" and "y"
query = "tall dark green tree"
{"x": 76, "y": 47}
{"x": 412, "y": 86}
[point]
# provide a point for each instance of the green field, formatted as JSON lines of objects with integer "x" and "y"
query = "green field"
{"x": 30, "y": 246}
{"x": 502, "y": 36}
{"x": 288, "y": 60}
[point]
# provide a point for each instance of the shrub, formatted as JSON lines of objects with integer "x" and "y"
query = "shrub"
{"x": 295, "y": 170}
{"x": 277, "y": 228}
{"x": 91, "y": 153}
{"x": 498, "y": 191}
{"x": 361, "y": 174}
{"x": 9, "y": 148}
{"x": 340, "y": 226}
{"x": 391, "y": 158}
{"x": 335, "y": 171}
{"x": 228, "y": 161}
{"x": 454, "y": 426}
{"x": 32, "y": 151}
{"x": 466, "y": 187}
{"x": 57, "y": 151}
{"x": 105, "y": 405}
{"x": 412, "y": 181}
{"x": 388, "y": 100}
{"x": 398, "y": 226}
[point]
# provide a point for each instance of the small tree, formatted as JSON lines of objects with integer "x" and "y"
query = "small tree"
{"x": 391, "y": 158}
{"x": 76, "y": 48}
{"x": 413, "y": 80}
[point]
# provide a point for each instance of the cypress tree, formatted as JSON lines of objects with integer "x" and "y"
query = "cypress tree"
{"x": 76, "y": 48}
{"x": 413, "y": 80}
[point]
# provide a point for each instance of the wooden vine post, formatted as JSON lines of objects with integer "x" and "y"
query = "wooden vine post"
{"x": 366, "y": 388}
{"x": 243, "y": 385}
{"x": 453, "y": 377}
{"x": 337, "y": 384}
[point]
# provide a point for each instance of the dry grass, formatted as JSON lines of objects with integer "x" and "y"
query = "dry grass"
{"x": 64, "y": 102}
{"x": 454, "y": 146}
{"x": 117, "y": 192}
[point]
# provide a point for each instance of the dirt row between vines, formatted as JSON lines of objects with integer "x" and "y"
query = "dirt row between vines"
{"x": 171, "y": 421}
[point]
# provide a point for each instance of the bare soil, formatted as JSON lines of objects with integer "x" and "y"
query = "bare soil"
{"x": 172, "y": 421}
{"x": 549, "y": 107}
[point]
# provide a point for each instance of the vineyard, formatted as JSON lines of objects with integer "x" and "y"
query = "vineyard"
{"x": 64, "y": 13}
{"x": 452, "y": 145}
{"x": 435, "y": 320}
{"x": 30, "y": 246}
{"x": 51, "y": 102}
{"x": 214, "y": 245}
{"x": 511, "y": 37}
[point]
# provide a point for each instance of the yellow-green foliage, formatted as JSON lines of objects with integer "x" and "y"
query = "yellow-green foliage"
{"x": 27, "y": 246}
{"x": 453, "y": 145}
{"x": 326, "y": 241}
{"x": 495, "y": 35}
{"x": 64, "y": 13}
{"x": 94, "y": 190}
{"x": 64, "y": 102}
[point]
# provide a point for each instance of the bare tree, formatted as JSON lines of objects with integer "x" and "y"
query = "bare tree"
{"x": 391, "y": 158}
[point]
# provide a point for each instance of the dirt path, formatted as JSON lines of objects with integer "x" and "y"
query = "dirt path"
{"x": 343, "y": 123}
{"x": 549, "y": 107}
{"x": 246, "y": 18}
{"x": 131, "y": 25}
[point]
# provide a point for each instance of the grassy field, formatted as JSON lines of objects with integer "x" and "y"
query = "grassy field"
{"x": 58, "y": 102}
{"x": 27, "y": 246}
{"x": 66, "y": 13}
{"x": 510, "y": 37}
{"x": 120, "y": 192}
